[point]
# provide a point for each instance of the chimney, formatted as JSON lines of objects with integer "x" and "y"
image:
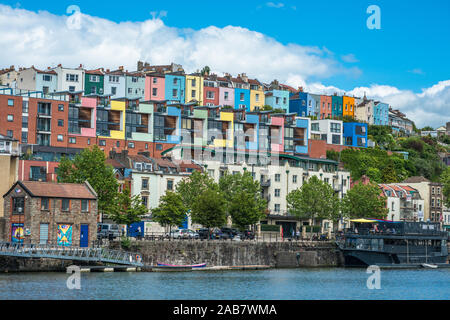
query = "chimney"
{"x": 300, "y": 89}
{"x": 59, "y": 65}
{"x": 107, "y": 70}
{"x": 121, "y": 68}
{"x": 244, "y": 77}
{"x": 81, "y": 66}
{"x": 140, "y": 65}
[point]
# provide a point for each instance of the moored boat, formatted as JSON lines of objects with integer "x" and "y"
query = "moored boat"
{"x": 394, "y": 244}
{"x": 165, "y": 265}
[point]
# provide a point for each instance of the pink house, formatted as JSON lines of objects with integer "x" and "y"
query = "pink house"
{"x": 226, "y": 96}
{"x": 277, "y": 133}
{"x": 155, "y": 86}
{"x": 88, "y": 112}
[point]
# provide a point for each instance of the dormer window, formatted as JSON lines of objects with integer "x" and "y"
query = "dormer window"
{"x": 138, "y": 166}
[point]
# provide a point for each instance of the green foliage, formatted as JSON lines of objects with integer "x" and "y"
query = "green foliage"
{"x": 127, "y": 209}
{"x": 125, "y": 242}
{"x": 266, "y": 107}
{"x": 194, "y": 185}
{"x": 279, "y": 110}
{"x": 90, "y": 165}
{"x": 209, "y": 209}
{"x": 206, "y": 70}
{"x": 427, "y": 128}
{"x": 333, "y": 155}
{"x": 316, "y": 199}
{"x": 382, "y": 136}
{"x": 171, "y": 210}
{"x": 364, "y": 201}
{"x": 445, "y": 180}
{"x": 243, "y": 196}
{"x": 270, "y": 227}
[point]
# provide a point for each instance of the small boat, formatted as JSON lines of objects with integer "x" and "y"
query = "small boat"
{"x": 165, "y": 265}
{"x": 431, "y": 266}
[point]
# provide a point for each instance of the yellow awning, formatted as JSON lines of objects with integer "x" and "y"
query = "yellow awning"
{"x": 363, "y": 220}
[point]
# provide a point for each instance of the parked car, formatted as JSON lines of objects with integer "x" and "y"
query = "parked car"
{"x": 191, "y": 234}
{"x": 204, "y": 233}
{"x": 231, "y": 233}
{"x": 218, "y": 234}
{"x": 109, "y": 231}
{"x": 247, "y": 235}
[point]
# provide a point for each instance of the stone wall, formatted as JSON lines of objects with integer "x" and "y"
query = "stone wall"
{"x": 2, "y": 229}
{"x": 228, "y": 253}
{"x": 14, "y": 264}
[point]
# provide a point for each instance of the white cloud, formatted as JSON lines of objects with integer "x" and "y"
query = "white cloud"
{"x": 417, "y": 71}
{"x": 350, "y": 58}
{"x": 275, "y": 5}
{"x": 43, "y": 39}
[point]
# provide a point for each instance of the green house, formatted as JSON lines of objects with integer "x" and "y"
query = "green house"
{"x": 94, "y": 82}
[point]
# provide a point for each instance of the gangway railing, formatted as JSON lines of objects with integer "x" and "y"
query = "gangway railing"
{"x": 98, "y": 254}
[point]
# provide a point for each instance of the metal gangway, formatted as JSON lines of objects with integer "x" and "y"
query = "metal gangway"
{"x": 97, "y": 254}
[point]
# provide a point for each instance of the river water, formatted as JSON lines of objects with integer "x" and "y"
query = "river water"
{"x": 275, "y": 284}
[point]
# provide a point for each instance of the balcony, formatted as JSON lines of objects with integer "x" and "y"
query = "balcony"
{"x": 265, "y": 183}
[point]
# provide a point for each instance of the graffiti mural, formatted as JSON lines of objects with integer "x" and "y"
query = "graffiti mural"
{"x": 64, "y": 235}
{"x": 17, "y": 234}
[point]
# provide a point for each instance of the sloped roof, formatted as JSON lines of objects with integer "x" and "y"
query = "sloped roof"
{"x": 57, "y": 190}
{"x": 416, "y": 179}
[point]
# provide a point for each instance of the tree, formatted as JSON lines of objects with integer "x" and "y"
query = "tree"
{"x": 445, "y": 180}
{"x": 191, "y": 187}
{"x": 364, "y": 201}
{"x": 206, "y": 70}
{"x": 279, "y": 110}
{"x": 90, "y": 165}
{"x": 127, "y": 209}
{"x": 171, "y": 210}
{"x": 209, "y": 209}
{"x": 266, "y": 107}
{"x": 316, "y": 199}
{"x": 243, "y": 195}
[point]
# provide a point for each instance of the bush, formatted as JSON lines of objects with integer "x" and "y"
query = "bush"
{"x": 270, "y": 227}
{"x": 125, "y": 242}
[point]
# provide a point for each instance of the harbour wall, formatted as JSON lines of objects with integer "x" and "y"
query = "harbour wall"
{"x": 288, "y": 254}
{"x": 16, "y": 264}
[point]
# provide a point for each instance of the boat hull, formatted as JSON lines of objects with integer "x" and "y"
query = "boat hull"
{"x": 165, "y": 265}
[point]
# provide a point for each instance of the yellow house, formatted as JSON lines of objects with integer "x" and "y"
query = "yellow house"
{"x": 348, "y": 106}
{"x": 257, "y": 97}
{"x": 194, "y": 88}
{"x": 228, "y": 130}
{"x": 117, "y": 116}
{"x": 9, "y": 162}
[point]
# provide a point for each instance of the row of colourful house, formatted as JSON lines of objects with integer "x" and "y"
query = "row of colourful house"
{"x": 170, "y": 83}
{"x": 71, "y": 120}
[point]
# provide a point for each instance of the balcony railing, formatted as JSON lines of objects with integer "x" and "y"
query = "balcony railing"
{"x": 265, "y": 183}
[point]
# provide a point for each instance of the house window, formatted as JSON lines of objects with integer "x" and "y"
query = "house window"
{"x": 277, "y": 207}
{"x": 24, "y": 137}
{"x": 9, "y": 133}
{"x": 225, "y": 95}
{"x": 130, "y": 90}
{"x": 146, "y": 146}
{"x": 210, "y": 94}
{"x": 94, "y": 78}
{"x": 193, "y": 94}
{"x": 44, "y": 204}
{"x": 71, "y": 88}
{"x": 10, "y": 118}
{"x": 294, "y": 179}
{"x": 131, "y": 145}
{"x": 89, "y": 141}
{"x": 60, "y": 107}
{"x": 71, "y": 77}
{"x": 60, "y": 123}
{"x": 277, "y": 192}
{"x": 242, "y": 96}
{"x": 10, "y": 102}
{"x": 25, "y": 106}
{"x": 102, "y": 143}
{"x": 159, "y": 147}
{"x": 277, "y": 177}
{"x": 113, "y": 91}
{"x": 60, "y": 137}
{"x": 175, "y": 93}
{"x": 155, "y": 91}
{"x": 144, "y": 184}
{"x": 257, "y": 97}
{"x": 84, "y": 205}
{"x": 393, "y": 206}
{"x": 18, "y": 205}
{"x": 65, "y": 204}
{"x": 155, "y": 80}
{"x": 169, "y": 184}
{"x": 175, "y": 81}
{"x": 72, "y": 140}
{"x": 144, "y": 201}
{"x": 47, "y": 77}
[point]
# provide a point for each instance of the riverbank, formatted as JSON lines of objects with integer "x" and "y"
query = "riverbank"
{"x": 288, "y": 254}
{"x": 218, "y": 255}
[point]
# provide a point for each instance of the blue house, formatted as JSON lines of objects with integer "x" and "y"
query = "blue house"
{"x": 254, "y": 119}
{"x": 278, "y": 99}
{"x": 380, "y": 113}
{"x": 301, "y": 136}
{"x": 313, "y": 105}
{"x": 242, "y": 99}
{"x": 175, "y": 88}
{"x": 355, "y": 134}
{"x": 298, "y": 103}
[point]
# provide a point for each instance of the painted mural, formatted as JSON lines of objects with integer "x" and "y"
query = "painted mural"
{"x": 64, "y": 235}
{"x": 17, "y": 234}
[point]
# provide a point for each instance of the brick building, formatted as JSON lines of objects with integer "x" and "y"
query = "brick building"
{"x": 55, "y": 213}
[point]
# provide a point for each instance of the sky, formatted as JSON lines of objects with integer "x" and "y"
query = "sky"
{"x": 324, "y": 46}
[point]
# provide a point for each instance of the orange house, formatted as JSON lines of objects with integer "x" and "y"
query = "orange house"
{"x": 348, "y": 106}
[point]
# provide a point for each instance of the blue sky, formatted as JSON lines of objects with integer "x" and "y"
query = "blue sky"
{"x": 324, "y": 46}
{"x": 411, "y": 51}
